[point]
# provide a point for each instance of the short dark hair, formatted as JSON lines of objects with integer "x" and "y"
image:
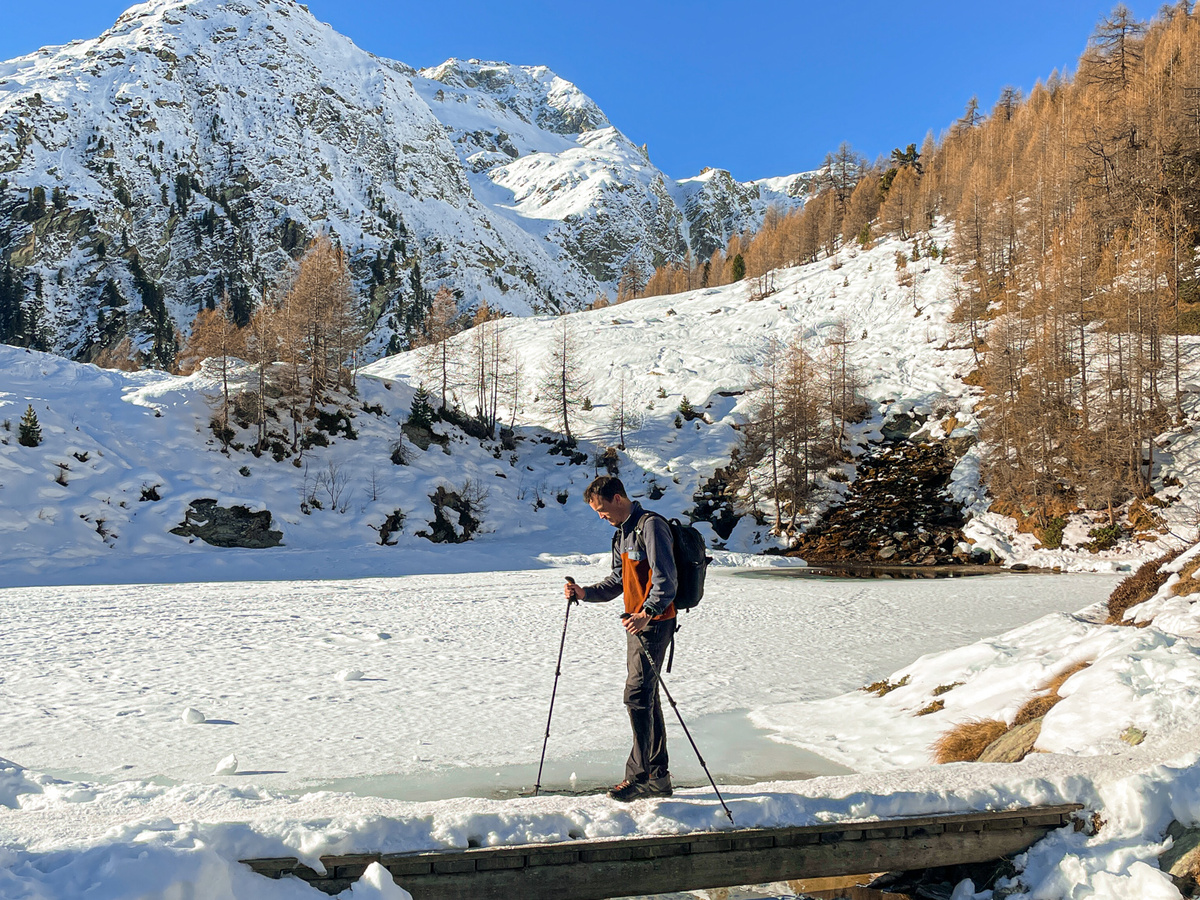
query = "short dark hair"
{"x": 605, "y": 488}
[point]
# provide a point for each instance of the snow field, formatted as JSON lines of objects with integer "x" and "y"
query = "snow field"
{"x": 453, "y": 671}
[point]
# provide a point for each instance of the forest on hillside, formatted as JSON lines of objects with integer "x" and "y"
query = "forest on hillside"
{"x": 1076, "y": 213}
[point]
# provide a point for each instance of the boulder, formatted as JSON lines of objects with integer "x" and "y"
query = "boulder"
{"x": 233, "y": 526}
{"x": 1182, "y": 860}
{"x": 1014, "y": 745}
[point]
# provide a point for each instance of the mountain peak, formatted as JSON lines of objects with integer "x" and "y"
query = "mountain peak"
{"x": 535, "y": 93}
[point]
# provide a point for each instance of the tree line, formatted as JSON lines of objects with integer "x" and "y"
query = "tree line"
{"x": 1076, "y": 214}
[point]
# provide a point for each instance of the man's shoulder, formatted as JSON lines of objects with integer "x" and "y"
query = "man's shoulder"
{"x": 650, "y": 518}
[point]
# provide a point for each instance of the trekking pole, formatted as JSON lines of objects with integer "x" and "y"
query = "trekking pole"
{"x": 571, "y": 601}
{"x": 674, "y": 706}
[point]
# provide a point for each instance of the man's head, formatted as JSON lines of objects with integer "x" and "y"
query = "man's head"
{"x": 606, "y": 495}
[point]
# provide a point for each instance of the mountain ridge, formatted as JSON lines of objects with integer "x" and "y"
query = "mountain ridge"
{"x": 208, "y": 141}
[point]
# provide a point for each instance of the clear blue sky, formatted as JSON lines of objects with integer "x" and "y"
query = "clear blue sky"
{"x": 760, "y": 87}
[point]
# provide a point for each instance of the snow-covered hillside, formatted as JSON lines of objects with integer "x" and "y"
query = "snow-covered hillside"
{"x": 210, "y": 139}
{"x": 82, "y": 507}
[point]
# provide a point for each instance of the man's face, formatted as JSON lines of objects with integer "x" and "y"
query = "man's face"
{"x": 614, "y": 511}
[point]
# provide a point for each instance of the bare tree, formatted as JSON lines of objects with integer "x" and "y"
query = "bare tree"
{"x": 439, "y": 363}
{"x": 563, "y": 385}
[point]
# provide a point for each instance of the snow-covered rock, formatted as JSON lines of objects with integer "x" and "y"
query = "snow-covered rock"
{"x": 227, "y": 766}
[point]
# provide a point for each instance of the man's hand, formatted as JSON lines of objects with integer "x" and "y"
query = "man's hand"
{"x": 636, "y": 622}
{"x": 572, "y": 591}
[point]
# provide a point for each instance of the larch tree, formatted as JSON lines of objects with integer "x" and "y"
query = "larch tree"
{"x": 438, "y": 360}
{"x": 215, "y": 336}
{"x": 563, "y": 385}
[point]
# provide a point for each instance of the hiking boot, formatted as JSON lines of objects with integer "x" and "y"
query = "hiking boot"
{"x": 628, "y": 791}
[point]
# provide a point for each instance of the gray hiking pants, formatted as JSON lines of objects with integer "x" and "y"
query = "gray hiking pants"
{"x": 648, "y": 759}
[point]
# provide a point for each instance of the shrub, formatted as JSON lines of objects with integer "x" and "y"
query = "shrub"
{"x": 1051, "y": 535}
{"x": 966, "y": 740}
{"x": 1138, "y": 588}
{"x": 1104, "y": 538}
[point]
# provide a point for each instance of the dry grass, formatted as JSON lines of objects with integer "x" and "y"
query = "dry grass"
{"x": 1138, "y": 587}
{"x": 1035, "y": 708}
{"x": 1188, "y": 584}
{"x": 935, "y": 706}
{"x": 879, "y": 688}
{"x": 966, "y": 740}
{"x": 1060, "y": 679}
{"x": 946, "y": 688}
{"x": 1038, "y": 706}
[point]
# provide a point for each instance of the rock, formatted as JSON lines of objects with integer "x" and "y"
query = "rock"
{"x": 227, "y": 766}
{"x": 349, "y": 675}
{"x": 193, "y": 717}
{"x": 1182, "y": 860}
{"x": 887, "y": 552}
{"x": 423, "y": 437}
{"x": 233, "y": 526}
{"x": 1014, "y": 745}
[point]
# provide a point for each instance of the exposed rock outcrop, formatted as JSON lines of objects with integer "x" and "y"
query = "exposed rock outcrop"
{"x": 234, "y": 526}
{"x": 897, "y": 512}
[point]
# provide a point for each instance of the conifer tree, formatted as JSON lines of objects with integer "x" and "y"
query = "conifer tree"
{"x": 29, "y": 432}
{"x": 420, "y": 414}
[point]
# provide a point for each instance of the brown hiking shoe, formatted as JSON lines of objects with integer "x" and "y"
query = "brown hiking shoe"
{"x": 628, "y": 791}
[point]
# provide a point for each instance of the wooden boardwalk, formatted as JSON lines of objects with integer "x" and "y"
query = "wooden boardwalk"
{"x": 619, "y": 867}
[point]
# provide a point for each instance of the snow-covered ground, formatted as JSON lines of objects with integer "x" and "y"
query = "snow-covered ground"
{"x": 435, "y": 687}
{"x": 403, "y": 706}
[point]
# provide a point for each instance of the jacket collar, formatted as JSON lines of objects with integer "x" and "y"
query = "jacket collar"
{"x": 635, "y": 514}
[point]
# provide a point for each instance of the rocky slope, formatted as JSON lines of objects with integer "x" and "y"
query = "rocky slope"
{"x": 191, "y": 151}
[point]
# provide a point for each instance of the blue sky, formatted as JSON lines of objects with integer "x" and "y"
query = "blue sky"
{"x": 760, "y": 87}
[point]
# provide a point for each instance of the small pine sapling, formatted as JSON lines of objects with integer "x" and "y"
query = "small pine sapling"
{"x": 29, "y": 433}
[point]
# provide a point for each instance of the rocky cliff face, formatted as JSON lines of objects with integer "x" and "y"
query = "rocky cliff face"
{"x": 192, "y": 150}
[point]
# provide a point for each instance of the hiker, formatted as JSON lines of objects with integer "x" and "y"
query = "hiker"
{"x": 644, "y": 572}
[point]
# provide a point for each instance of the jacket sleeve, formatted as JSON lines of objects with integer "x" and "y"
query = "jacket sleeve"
{"x": 660, "y": 553}
{"x": 610, "y": 587}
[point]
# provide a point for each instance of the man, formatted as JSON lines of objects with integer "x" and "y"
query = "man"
{"x": 644, "y": 573}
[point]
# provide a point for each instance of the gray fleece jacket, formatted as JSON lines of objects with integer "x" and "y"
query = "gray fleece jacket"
{"x": 653, "y": 542}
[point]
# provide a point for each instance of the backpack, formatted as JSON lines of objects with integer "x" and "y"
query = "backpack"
{"x": 691, "y": 562}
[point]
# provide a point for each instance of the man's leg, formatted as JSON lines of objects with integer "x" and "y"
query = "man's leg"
{"x": 648, "y": 759}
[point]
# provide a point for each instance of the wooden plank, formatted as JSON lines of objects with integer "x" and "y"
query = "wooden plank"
{"x": 599, "y": 881}
{"x": 598, "y": 869}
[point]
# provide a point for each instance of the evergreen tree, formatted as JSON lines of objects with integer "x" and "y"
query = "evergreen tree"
{"x": 36, "y": 208}
{"x": 739, "y": 267}
{"x": 12, "y": 292}
{"x": 29, "y": 434}
{"x": 420, "y": 414}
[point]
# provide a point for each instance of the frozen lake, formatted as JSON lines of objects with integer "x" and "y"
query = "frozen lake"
{"x": 437, "y": 686}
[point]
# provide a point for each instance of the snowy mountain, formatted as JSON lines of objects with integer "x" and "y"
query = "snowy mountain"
{"x": 193, "y": 148}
